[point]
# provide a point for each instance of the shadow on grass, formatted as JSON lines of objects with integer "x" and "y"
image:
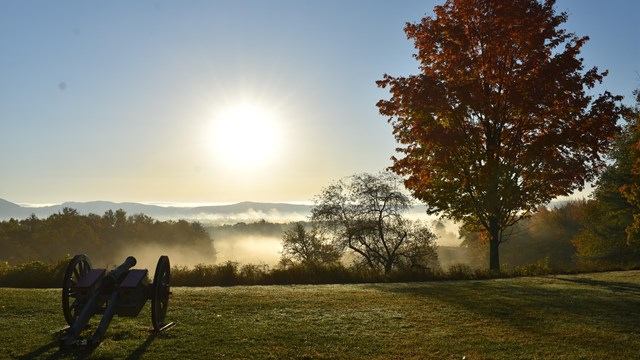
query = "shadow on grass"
{"x": 73, "y": 353}
{"x": 39, "y": 352}
{"x": 616, "y": 287}
{"x": 534, "y": 304}
{"x": 137, "y": 353}
{"x": 81, "y": 352}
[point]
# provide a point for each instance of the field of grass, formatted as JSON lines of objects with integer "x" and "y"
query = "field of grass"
{"x": 593, "y": 316}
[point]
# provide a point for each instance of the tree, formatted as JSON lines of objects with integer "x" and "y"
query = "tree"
{"x": 307, "y": 246}
{"x": 104, "y": 238}
{"x": 612, "y": 219}
{"x": 363, "y": 213}
{"x": 631, "y": 190}
{"x": 498, "y": 121}
{"x": 603, "y": 239}
{"x": 546, "y": 236}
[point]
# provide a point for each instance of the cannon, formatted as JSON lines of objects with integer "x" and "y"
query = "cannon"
{"x": 122, "y": 291}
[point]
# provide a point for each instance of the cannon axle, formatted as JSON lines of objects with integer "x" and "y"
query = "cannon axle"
{"x": 122, "y": 291}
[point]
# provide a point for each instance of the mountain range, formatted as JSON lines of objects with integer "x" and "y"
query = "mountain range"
{"x": 244, "y": 211}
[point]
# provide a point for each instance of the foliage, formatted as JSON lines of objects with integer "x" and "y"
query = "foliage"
{"x": 462, "y": 271}
{"x": 498, "y": 121}
{"x": 603, "y": 239}
{"x": 547, "y": 237}
{"x": 364, "y": 214}
{"x": 307, "y": 246}
{"x": 225, "y": 274}
{"x": 541, "y": 267}
{"x": 318, "y": 273}
{"x": 609, "y": 234}
{"x": 103, "y": 237}
{"x": 45, "y": 275}
{"x": 476, "y": 240}
{"x": 631, "y": 189}
{"x": 33, "y": 274}
{"x": 231, "y": 273}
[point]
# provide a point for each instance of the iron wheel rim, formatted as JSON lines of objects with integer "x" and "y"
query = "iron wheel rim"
{"x": 161, "y": 290}
{"x": 77, "y": 268}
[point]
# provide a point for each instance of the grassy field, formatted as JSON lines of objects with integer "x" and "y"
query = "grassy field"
{"x": 594, "y": 316}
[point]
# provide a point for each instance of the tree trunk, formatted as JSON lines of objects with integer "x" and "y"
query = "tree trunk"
{"x": 387, "y": 267}
{"x": 494, "y": 243}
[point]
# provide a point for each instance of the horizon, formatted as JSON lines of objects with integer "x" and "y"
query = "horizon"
{"x": 163, "y": 204}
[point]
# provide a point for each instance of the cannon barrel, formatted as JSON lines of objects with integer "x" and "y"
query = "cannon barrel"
{"x": 115, "y": 276}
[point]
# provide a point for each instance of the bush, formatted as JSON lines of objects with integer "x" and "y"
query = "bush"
{"x": 226, "y": 274}
{"x": 585, "y": 265}
{"x": 460, "y": 272}
{"x": 312, "y": 273}
{"x": 253, "y": 274}
{"x": 540, "y": 267}
{"x": 415, "y": 274}
{"x": 38, "y": 274}
{"x": 33, "y": 274}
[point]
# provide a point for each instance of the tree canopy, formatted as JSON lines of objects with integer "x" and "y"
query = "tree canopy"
{"x": 499, "y": 120}
{"x": 630, "y": 157}
{"x": 364, "y": 213}
{"x": 102, "y": 237}
{"x": 612, "y": 223}
{"x": 307, "y": 246}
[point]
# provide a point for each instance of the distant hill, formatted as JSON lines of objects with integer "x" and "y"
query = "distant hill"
{"x": 9, "y": 209}
{"x": 246, "y": 211}
{"x": 219, "y": 214}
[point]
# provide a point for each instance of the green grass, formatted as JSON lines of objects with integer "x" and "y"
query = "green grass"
{"x": 594, "y": 316}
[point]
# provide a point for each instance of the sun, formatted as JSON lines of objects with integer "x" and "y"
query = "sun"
{"x": 246, "y": 136}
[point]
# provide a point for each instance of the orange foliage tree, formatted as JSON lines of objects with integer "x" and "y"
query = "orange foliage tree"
{"x": 498, "y": 121}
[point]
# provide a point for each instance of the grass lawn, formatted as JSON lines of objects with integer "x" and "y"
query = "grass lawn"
{"x": 593, "y": 316}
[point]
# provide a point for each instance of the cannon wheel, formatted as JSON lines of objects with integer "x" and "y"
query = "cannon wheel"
{"x": 77, "y": 268}
{"x": 160, "y": 295}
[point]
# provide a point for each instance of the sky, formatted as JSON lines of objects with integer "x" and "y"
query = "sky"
{"x": 194, "y": 102}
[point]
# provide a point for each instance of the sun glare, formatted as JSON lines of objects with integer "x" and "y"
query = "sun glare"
{"x": 245, "y": 136}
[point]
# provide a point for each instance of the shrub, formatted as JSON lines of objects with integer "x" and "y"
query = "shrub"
{"x": 540, "y": 267}
{"x": 35, "y": 274}
{"x": 226, "y": 274}
{"x": 253, "y": 274}
{"x": 460, "y": 272}
{"x": 415, "y": 274}
{"x": 38, "y": 274}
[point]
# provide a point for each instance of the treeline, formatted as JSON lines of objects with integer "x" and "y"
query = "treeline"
{"x": 601, "y": 232}
{"x": 106, "y": 237}
{"x": 559, "y": 239}
{"x": 579, "y": 235}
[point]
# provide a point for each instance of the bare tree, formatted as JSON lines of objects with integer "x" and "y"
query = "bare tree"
{"x": 363, "y": 213}
{"x": 307, "y": 246}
